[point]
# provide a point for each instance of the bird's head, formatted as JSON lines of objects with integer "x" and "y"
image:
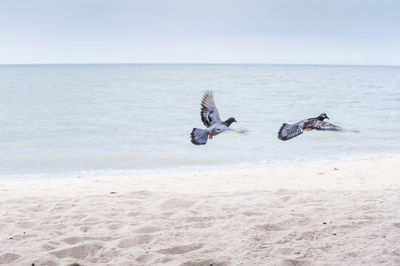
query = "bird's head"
{"x": 322, "y": 117}
{"x": 229, "y": 121}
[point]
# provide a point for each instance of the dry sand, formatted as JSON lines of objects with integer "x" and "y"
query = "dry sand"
{"x": 324, "y": 213}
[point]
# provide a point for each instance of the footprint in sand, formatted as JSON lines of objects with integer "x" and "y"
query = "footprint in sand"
{"x": 49, "y": 227}
{"x": 84, "y": 228}
{"x": 252, "y": 213}
{"x": 48, "y": 247}
{"x": 177, "y": 203}
{"x": 75, "y": 240}
{"x": 269, "y": 227}
{"x": 134, "y": 241}
{"x": 164, "y": 259}
{"x": 45, "y": 263}
{"x": 200, "y": 219}
{"x": 284, "y": 251}
{"x": 149, "y": 229}
{"x": 290, "y": 262}
{"x": 8, "y": 258}
{"x": 181, "y": 249}
{"x": 205, "y": 262}
{"x": 25, "y": 224}
{"x": 283, "y": 191}
{"x": 115, "y": 226}
{"x": 309, "y": 235}
{"x": 75, "y": 264}
{"x": 296, "y": 221}
{"x": 139, "y": 194}
{"x": 145, "y": 258}
{"x": 133, "y": 202}
{"x": 78, "y": 252}
{"x": 23, "y": 236}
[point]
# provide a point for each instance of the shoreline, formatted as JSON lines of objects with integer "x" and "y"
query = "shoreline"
{"x": 104, "y": 173}
{"x": 334, "y": 213}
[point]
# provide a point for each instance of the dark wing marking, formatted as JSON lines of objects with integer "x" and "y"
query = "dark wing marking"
{"x": 321, "y": 125}
{"x": 209, "y": 112}
{"x": 287, "y": 131}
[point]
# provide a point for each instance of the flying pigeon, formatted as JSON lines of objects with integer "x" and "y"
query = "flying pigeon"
{"x": 210, "y": 117}
{"x": 288, "y": 131}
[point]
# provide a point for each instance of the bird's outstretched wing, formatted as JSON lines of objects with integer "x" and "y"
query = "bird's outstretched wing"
{"x": 209, "y": 112}
{"x": 288, "y": 131}
{"x": 321, "y": 125}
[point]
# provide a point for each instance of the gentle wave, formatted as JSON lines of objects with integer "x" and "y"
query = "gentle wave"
{"x": 69, "y": 118}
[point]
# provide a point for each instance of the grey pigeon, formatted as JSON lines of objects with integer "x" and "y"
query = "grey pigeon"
{"x": 210, "y": 117}
{"x": 288, "y": 131}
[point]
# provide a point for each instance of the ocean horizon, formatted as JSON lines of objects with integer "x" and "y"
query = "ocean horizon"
{"x": 199, "y": 63}
{"x": 67, "y": 118}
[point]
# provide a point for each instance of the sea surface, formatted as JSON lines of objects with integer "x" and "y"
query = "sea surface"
{"x": 60, "y": 119}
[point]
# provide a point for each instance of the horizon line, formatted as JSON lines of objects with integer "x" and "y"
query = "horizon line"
{"x": 197, "y": 63}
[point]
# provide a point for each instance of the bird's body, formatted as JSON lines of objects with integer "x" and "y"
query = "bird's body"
{"x": 289, "y": 131}
{"x": 210, "y": 117}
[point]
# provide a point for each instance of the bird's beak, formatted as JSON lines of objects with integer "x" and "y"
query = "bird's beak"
{"x": 327, "y": 117}
{"x": 234, "y": 120}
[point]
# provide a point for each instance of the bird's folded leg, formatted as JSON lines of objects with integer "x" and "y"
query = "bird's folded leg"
{"x": 240, "y": 131}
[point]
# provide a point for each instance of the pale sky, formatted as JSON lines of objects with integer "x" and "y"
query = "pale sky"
{"x": 206, "y": 31}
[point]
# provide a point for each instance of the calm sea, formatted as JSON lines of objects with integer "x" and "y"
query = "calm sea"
{"x": 87, "y": 118}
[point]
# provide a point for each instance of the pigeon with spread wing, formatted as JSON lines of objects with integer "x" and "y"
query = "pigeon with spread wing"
{"x": 210, "y": 117}
{"x": 289, "y": 131}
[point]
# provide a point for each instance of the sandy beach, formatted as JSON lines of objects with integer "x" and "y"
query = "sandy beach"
{"x": 321, "y": 213}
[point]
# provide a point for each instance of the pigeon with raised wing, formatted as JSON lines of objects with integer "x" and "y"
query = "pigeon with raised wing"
{"x": 210, "y": 117}
{"x": 289, "y": 131}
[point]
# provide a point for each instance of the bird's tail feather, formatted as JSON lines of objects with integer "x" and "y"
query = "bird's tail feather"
{"x": 199, "y": 136}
